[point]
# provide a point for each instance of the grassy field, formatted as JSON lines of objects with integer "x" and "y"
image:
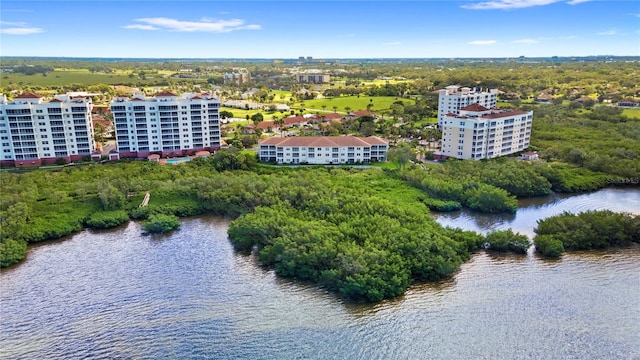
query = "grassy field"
{"x": 241, "y": 113}
{"x": 354, "y": 102}
{"x": 281, "y": 96}
{"x": 632, "y": 113}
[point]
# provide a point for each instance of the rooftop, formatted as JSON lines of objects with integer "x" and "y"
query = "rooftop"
{"x": 28, "y": 95}
{"x": 324, "y": 141}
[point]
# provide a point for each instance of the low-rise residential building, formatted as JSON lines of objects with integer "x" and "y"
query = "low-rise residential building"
{"x": 238, "y": 77}
{"x": 481, "y": 133}
{"x": 628, "y": 103}
{"x": 166, "y": 124}
{"x": 529, "y": 155}
{"x": 313, "y": 78}
{"x": 453, "y": 98}
{"x": 323, "y": 150}
{"x": 35, "y": 131}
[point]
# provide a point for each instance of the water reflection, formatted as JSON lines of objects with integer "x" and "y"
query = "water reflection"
{"x": 118, "y": 294}
{"x": 533, "y": 209}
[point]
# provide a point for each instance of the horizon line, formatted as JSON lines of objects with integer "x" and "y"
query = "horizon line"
{"x": 317, "y": 59}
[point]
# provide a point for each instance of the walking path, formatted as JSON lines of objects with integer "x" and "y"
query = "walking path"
{"x": 145, "y": 201}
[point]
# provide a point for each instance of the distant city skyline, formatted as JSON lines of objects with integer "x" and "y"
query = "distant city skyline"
{"x": 328, "y": 29}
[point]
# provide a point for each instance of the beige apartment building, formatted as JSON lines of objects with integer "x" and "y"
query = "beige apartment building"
{"x": 477, "y": 132}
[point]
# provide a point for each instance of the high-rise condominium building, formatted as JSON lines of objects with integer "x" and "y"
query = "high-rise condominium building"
{"x": 166, "y": 124}
{"x": 36, "y": 131}
{"x": 452, "y": 98}
{"x": 481, "y": 133}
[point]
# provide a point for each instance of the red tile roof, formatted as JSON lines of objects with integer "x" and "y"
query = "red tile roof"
{"x": 266, "y": 124}
{"x": 331, "y": 116}
{"x": 28, "y": 95}
{"x": 474, "y": 107}
{"x": 323, "y": 141}
{"x": 97, "y": 119}
{"x": 295, "y": 120}
{"x": 55, "y": 100}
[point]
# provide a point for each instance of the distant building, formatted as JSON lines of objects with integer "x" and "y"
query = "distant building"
{"x": 529, "y": 155}
{"x": 544, "y": 98}
{"x": 323, "y": 150}
{"x": 452, "y": 98}
{"x": 481, "y": 133}
{"x": 313, "y": 78}
{"x": 166, "y": 124}
{"x": 240, "y": 77}
{"x": 627, "y": 103}
{"x": 34, "y": 131}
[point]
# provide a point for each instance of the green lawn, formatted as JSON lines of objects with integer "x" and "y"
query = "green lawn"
{"x": 354, "y": 102}
{"x": 241, "y": 113}
{"x": 281, "y": 96}
{"x": 632, "y": 113}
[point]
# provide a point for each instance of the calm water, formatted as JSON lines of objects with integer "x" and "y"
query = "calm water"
{"x": 117, "y": 294}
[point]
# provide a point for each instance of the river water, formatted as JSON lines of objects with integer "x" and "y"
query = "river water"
{"x": 118, "y": 294}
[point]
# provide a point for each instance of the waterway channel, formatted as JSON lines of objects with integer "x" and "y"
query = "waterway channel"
{"x": 118, "y": 294}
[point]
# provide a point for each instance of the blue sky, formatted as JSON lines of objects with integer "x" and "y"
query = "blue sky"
{"x": 322, "y": 29}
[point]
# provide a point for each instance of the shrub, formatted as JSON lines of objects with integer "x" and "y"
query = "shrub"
{"x": 548, "y": 246}
{"x": 139, "y": 213}
{"x": 12, "y": 251}
{"x": 160, "y": 223}
{"x": 442, "y": 205}
{"x": 107, "y": 219}
{"x": 507, "y": 240}
{"x": 490, "y": 199}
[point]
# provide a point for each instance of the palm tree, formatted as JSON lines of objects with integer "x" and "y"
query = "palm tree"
{"x": 279, "y": 123}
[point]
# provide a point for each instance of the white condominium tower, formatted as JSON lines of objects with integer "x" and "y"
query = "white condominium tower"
{"x": 166, "y": 124}
{"x": 35, "y": 131}
{"x": 452, "y": 98}
{"x": 481, "y": 133}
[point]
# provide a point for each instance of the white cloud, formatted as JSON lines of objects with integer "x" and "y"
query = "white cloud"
{"x": 18, "y": 28}
{"x": 204, "y": 25}
{"x": 526, "y": 41}
{"x": 140, "y": 27}
{"x": 608, "y": 32}
{"x": 393, "y": 43}
{"x": 507, "y": 4}
{"x": 515, "y": 4}
{"x": 482, "y": 42}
